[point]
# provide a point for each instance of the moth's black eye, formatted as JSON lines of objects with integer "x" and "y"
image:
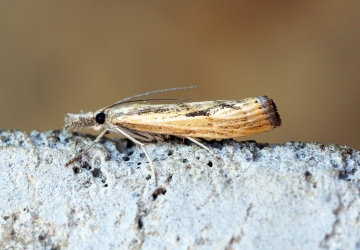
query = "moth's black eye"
{"x": 100, "y": 118}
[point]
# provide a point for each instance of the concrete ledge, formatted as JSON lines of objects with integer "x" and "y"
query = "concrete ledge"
{"x": 259, "y": 196}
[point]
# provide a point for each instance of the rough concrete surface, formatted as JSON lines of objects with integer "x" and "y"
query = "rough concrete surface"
{"x": 259, "y": 196}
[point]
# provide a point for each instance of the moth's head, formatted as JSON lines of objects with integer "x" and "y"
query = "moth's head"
{"x": 75, "y": 122}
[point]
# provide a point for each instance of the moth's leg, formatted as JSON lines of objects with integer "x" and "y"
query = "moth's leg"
{"x": 158, "y": 137}
{"x": 145, "y": 136}
{"x": 203, "y": 146}
{"x": 141, "y": 145}
{"x": 141, "y": 136}
{"x": 88, "y": 148}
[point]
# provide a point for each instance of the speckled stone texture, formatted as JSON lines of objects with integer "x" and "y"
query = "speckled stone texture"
{"x": 259, "y": 196}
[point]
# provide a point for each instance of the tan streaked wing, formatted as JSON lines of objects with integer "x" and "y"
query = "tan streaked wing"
{"x": 213, "y": 119}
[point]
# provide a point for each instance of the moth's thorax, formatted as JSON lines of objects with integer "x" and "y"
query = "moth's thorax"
{"x": 75, "y": 122}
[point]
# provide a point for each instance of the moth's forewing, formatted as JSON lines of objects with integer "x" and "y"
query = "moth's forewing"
{"x": 213, "y": 119}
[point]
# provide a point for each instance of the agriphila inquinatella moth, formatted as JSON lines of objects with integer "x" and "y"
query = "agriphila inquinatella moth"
{"x": 141, "y": 123}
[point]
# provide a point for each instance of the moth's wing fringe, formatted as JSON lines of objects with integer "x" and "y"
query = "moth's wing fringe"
{"x": 270, "y": 111}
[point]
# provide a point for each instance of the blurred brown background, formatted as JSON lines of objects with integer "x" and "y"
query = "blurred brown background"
{"x": 58, "y": 57}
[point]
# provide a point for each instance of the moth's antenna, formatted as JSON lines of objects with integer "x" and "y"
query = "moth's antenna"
{"x": 147, "y": 100}
{"x": 149, "y": 93}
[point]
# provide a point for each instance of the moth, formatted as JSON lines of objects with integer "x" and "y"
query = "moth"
{"x": 142, "y": 123}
